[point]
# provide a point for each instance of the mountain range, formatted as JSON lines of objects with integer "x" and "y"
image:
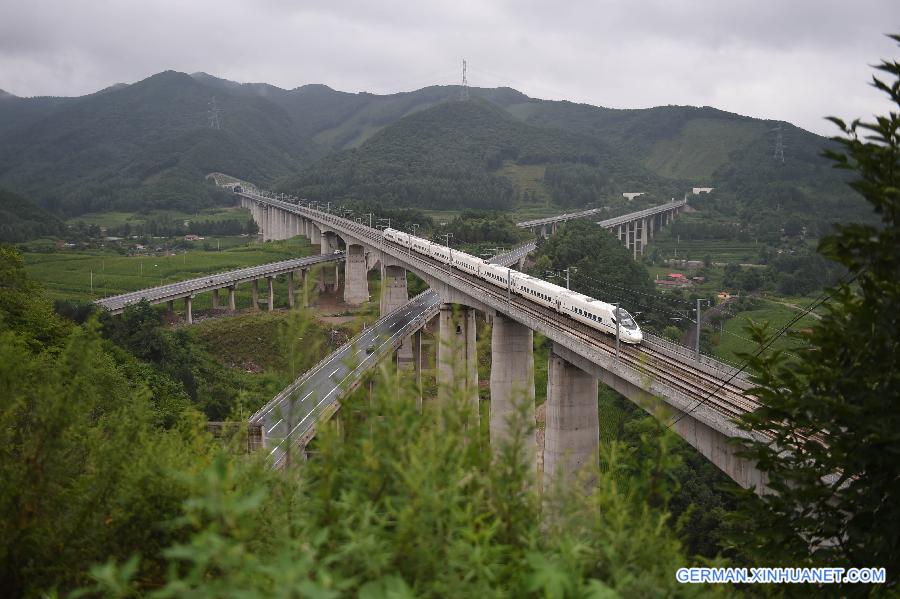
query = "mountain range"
{"x": 149, "y": 144}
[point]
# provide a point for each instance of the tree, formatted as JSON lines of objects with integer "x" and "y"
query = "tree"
{"x": 833, "y": 460}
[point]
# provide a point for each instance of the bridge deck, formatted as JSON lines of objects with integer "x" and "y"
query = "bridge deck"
{"x": 162, "y": 293}
{"x": 627, "y": 218}
{"x": 612, "y": 222}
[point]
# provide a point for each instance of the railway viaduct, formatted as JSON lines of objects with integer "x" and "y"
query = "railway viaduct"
{"x": 701, "y": 397}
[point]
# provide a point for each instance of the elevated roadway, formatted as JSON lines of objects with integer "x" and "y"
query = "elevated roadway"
{"x": 212, "y": 283}
{"x": 288, "y": 421}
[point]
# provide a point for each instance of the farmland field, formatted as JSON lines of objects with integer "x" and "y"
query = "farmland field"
{"x": 115, "y": 219}
{"x": 67, "y": 274}
{"x": 734, "y": 338}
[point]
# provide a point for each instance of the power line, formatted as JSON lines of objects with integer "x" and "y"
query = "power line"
{"x": 634, "y": 302}
{"x": 658, "y": 296}
{"x": 822, "y": 299}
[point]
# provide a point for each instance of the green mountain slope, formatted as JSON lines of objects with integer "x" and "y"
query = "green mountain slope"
{"x": 147, "y": 145}
{"x": 706, "y": 147}
{"x": 20, "y": 219}
{"x": 451, "y": 156}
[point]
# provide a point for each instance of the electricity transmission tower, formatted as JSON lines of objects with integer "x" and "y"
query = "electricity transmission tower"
{"x": 464, "y": 92}
{"x": 214, "y": 112}
{"x": 779, "y": 144}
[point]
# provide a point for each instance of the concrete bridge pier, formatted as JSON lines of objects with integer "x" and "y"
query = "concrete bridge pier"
{"x": 328, "y": 242}
{"x": 215, "y": 299}
{"x": 512, "y": 379}
{"x": 188, "y": 309}
{"x": 271, "y": 281}
{"x": 254, "y": 294}
{"x": 290, "y": 286}
{"x": 170, "y": 305}
{"x": 393, "y": 295}
{"x": 356, "y": 285}
{"x": 315, "y": 236}
{"x": 232, "y": 306}
{"x": 305, "y": 287}
{"x": 457, "y": 355}
{"x": 417, "y": 365}
{"x": 572, "y": 436}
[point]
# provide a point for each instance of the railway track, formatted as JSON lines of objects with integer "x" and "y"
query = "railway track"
{"x": 700, "y": 387}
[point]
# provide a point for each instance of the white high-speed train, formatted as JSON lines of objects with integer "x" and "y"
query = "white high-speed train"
{"x": 595, "y": 313}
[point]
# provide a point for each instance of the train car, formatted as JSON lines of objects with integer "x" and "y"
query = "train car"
{"x": 600, "y": 315}
{"x": 422, "y": 246}
{"x": 596, "y": 314}
{"x": 468, "y": 263}
{"x": 496, "y": 275}
{"x": 537, "y": 290}
{"x": 441, "y": 253}
{"x": 396, "y": 236}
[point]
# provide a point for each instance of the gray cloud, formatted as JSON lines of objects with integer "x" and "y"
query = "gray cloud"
{"x": 796, "y": 61}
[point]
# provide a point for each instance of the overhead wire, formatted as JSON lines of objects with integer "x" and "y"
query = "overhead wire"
{"x": 815, "y": 304}
{"x": 632, "y": 290}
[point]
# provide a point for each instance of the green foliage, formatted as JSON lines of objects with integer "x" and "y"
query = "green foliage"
{"x": 21, "y": 220}
{"x": 88, "y": 471}
{"x": 832, "y": 456}
{"x": 474, "y": 227}
{"x": 22, "y": 308}
{"x": 405, "y": 504}
{"x": 207, "y": 364}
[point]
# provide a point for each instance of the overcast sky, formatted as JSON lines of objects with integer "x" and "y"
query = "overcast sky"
{"x": 795, "y": 60}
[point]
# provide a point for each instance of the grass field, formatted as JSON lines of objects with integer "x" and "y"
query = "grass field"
{"x": 719, "y": 250}
{"x": 67, "y": 274}
{"x": 734, "y": 338}
{"x": 115, "y": 219}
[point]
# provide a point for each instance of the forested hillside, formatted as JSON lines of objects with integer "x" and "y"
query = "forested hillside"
{"x": 148, "y": 145}
{"x": 734, "y": 154}
{"x": 449, "y": 156}
{"x": 20, "y": 219}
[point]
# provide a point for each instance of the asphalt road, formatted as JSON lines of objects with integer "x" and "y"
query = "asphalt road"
{"x": 296, "y": 409}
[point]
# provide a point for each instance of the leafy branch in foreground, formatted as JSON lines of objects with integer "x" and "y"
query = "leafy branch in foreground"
{"x": 834, "y": 458}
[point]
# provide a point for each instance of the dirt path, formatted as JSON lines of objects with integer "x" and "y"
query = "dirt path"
{"x": 795, "y": 307}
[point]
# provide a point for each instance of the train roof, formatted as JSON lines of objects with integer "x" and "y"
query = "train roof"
{"x": 580, "y": 297}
